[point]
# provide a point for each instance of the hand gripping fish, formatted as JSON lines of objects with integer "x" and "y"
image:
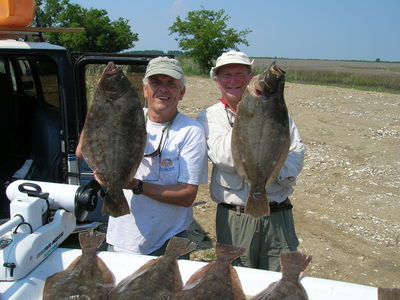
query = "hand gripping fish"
{"x": 114, "y": 136}
{"x": 261, "y": 136}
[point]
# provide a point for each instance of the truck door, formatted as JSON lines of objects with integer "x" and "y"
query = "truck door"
{"x": 87, "y": 70}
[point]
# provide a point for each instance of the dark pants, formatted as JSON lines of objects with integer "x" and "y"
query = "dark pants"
{"x": 160, "y": 251}
{"x": 263, "y": 238}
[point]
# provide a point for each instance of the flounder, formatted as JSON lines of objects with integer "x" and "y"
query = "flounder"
{"x": 289, "y": 287}
{"x": 216, "y": 280}
{"x": 388, "y": 293}
{"x": 159, "y": 278}
{"x": 86, "y": 278}
{"x": 114, "y": 136}
{"x": 261, "y": 136}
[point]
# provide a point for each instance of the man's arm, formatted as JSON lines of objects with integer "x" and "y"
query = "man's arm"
{"x": 180, "y": 194}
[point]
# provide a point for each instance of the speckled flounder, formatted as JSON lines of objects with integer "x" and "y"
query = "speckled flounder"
{"x": 261, "y": 137}
{"x": 388, "y": 293}
{"x": 159, "y": 278}
{"x": 86, "y": 278}
{"x": 289, "y": 287}
{"x": 216, "y": 280}
{"x": 114, "y": 136}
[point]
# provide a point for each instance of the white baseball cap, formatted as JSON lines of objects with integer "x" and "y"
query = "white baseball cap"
{"x": 164, "y": 65}
{"x": 231, "y": 57}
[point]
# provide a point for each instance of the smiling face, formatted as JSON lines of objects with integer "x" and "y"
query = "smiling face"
{"x": 232, "y": 80}
{"x": 163, "y": 93}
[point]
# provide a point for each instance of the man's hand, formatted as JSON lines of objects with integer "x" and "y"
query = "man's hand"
{"x": 98, "y": 179}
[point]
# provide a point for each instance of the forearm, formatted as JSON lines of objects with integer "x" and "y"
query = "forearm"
{"x": 180, "y": 194}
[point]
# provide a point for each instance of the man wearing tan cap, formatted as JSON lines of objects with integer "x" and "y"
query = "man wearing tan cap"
{"x": 266, "y": 237}
{"x": 175, "y": 163}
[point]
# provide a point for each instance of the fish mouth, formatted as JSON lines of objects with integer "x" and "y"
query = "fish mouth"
{"x": 112, "y": 68}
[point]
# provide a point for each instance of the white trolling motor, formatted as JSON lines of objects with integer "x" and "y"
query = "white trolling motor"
{"x": 40, "y": 222}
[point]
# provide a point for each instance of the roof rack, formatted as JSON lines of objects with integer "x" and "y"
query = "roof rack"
{"x": 14, "y": 32}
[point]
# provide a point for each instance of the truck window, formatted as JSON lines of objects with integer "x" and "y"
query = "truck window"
{"x": 93, "y": 73}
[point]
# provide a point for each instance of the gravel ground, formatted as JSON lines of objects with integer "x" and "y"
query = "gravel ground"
{"x": 347, "y": 199}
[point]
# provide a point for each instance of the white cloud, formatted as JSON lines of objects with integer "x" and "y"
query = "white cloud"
{"x": 178, "y": 7}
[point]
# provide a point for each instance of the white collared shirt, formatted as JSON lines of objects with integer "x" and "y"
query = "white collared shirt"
{"x": 226, "y": 184}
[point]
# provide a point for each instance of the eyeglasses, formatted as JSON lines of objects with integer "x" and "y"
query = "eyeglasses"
{"x": 159, "y": 148}
{"x": 161, "y": 144}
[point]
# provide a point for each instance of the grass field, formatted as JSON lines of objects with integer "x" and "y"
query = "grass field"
{"x": 376, "y": 76}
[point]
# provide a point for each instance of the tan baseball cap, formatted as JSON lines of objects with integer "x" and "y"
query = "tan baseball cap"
{"x": 164, "y": 65}
{"x": 231, "y": 57}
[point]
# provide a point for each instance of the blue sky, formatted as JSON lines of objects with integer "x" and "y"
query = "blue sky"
{"x": 321, "y": 29}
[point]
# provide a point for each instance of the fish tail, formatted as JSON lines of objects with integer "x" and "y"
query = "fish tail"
{"x": 228, "y": 252}
{"x": 179, "y": 246}
{"x": 91, "y": 239}
{"x": 257, "y": 204}
{"x": 115, "y": 203}
{"x": 294, "y": 262}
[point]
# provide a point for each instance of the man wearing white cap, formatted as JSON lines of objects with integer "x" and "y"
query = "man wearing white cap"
{"x": 175, "y": 163}
{"x": 266, "y": 237}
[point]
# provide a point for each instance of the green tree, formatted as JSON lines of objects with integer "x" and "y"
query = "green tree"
{"x": 101, "y": 34}
{"x": 204, "y": 35}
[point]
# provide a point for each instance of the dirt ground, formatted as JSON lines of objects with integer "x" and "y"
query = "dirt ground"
{"x": 347, "y": 198}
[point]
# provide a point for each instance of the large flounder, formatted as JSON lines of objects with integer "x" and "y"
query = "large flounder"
{"x": 87, "y": 277}
{"x": 261, "y": 136}
{"x": 216, "y": 280}
{"x": 114, "y": 136}
{"x": 388, "y": 293}
{"x": 159, "y": 278}
{"x": 289, "y": 287}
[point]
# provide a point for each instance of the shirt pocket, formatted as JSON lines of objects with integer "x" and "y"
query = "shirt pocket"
{"x": 169, "y": 167}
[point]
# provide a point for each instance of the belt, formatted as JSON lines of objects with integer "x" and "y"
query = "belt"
{"x": 274, "y": 206}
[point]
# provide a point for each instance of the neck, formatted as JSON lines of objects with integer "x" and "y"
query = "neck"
{"x": 228, "y": 104}
{"x": 161, "y": 117}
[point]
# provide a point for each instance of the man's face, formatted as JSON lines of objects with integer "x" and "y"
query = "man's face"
{"x": 232, "y": 80}
{"x": 163, "y": 93}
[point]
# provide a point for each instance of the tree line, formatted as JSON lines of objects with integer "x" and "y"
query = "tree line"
{"x": 203, "y": 35}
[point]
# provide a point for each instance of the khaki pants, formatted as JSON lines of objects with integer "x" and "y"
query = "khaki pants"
{"x": 264, "y": 238}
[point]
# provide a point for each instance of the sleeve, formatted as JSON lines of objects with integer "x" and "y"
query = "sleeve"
{"x": 193, "y": 157}
{"x": 295, "y": 160}
{"x": 218, "y": 139}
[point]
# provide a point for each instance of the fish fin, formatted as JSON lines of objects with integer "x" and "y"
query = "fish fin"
{"x": 91, "y": 239}
{"x": 179, "y": 246}
{"x": 388, "y": 293}
{"x": 115, "y": 203}
{"x": 108, "y": 276}
{"x": 196, "y": 276}
{"x": 294, "y": 262}
{"x": 228, "y": 252}
{"x": 257, "y": 205}
{"x": 237, "y": 288}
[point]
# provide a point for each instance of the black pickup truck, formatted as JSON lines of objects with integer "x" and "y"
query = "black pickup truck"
{"x": 44, "y": 94}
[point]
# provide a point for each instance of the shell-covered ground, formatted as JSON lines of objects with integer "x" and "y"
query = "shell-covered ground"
{"x": 347, "y": 198}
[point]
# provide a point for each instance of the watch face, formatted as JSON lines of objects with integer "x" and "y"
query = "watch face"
{"x": 138, "y": 189}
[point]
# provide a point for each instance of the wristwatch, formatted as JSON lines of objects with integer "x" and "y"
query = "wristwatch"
{"x": 138, "y": 189}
